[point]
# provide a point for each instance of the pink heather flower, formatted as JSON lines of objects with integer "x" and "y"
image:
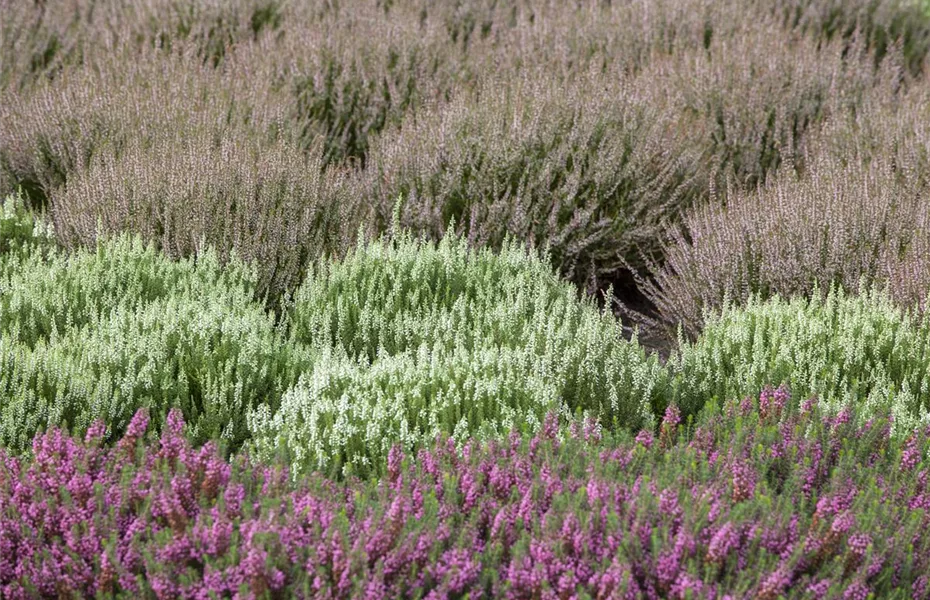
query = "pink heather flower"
{"x": 859, "y": 543}
{"x": 744, "y": 481}
{"x": 774, "y": 584}
{"x": 395, "y": 458}
{"x": 765, "y": 401}
{"x": 592, "y": 431}
{"x": 174, "y": 521}
{"x": 921, "y": 587}
{"x": 645, "y": 438}
{"x": 724, "y": 541}
{"x": 781, "y": 397}
{"x": 668, "y": 567}
{"x": 574, "y": 429}
{"x": 672, "y": 417}
{"x": 669, "y": 427}
{"x": 819, "y": 589}
{"x": 550, "y": 428}
{"x": 687, "y": 586}
{"x": 910, "y": 456}
{"x": 95, "y": 433}
{"x": 808, "y": 405}
{"x": 668, "y": 502}
{"x": 842, "y": 418}
{"x": 856, "y": 591}
{"x": 843, "y": 522}
{"x": 136, "y": 429}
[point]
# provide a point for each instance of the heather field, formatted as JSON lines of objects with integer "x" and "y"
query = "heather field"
{"x": 461, "y": 299}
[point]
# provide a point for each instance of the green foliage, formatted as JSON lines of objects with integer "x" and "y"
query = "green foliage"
{"x": 418, "y": 339}
{"x": 20, "y": 230}
{"x": 97, "y": 335}
{"x": 840, "y": 348}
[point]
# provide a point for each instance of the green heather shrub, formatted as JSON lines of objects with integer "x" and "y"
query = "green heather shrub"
{"x": 839, "y": 347}
{"x": 97, "y": 335}
{"x": 20, "y": 229}
{"x": 419, "y": 339}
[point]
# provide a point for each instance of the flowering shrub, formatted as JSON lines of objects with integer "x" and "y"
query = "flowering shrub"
{"x": 20, "y": 229}
{"x": 415, "y": 339}
{"x": 845, "y": 349}
{"x": 97, "y": 335}
{"x": 587, "y": 168}
{"x": 856, "y": 225}
{"x": 761, "y": 500}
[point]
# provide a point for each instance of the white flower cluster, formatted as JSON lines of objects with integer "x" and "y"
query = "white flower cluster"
{"x": 415, "y": 339}
{"x": 841, "y": 348}
{"x": 100, "y": 334}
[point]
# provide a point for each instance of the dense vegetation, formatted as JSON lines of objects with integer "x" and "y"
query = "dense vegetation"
{"x": 465, "y": 298}
{"x": 764, "y": 501}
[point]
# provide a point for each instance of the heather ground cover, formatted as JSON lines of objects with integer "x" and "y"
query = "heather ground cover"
{"x": 760, "y": 498}
{"x": 464, "y": 298}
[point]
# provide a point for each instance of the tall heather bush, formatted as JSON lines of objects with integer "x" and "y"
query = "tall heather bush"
{"x": 55, "y": 129}
{"x": 99, "y": 334}
{"x": 854, "y": 225}
{"x": 267, "y": 202}
{"x": 859, "y": 351}
{"x": 39, "y": 39}
{"x": 769, "y": 502}
{"x": 751, "y": 99}
{"x": 886, "y": 26}
{"x": 419, "y": 339}
{"x": 588, "y": 169}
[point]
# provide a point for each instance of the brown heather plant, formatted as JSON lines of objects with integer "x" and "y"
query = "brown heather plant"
{"x": 357, "y": 69}
{"x": 39, "y": 38}
{"x": 753, "y": 97}
{"x": 586, "y": 167}
{"x": 857, "y": 212}
{"x": 596, "y": 164}
{"x": 54, "y": 130}
{"x": 356, "y": 72}
{"x": 882, "y": 24}
{"x": 856, "y": 225}
{"x": 352, "y": 72}
{"x": 269, "y": 203}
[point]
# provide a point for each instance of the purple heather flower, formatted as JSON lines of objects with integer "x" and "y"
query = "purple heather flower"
{"x": 859, "y": 543}
{"x": 856, "y": 591}
{"x": 645, "y": 438}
